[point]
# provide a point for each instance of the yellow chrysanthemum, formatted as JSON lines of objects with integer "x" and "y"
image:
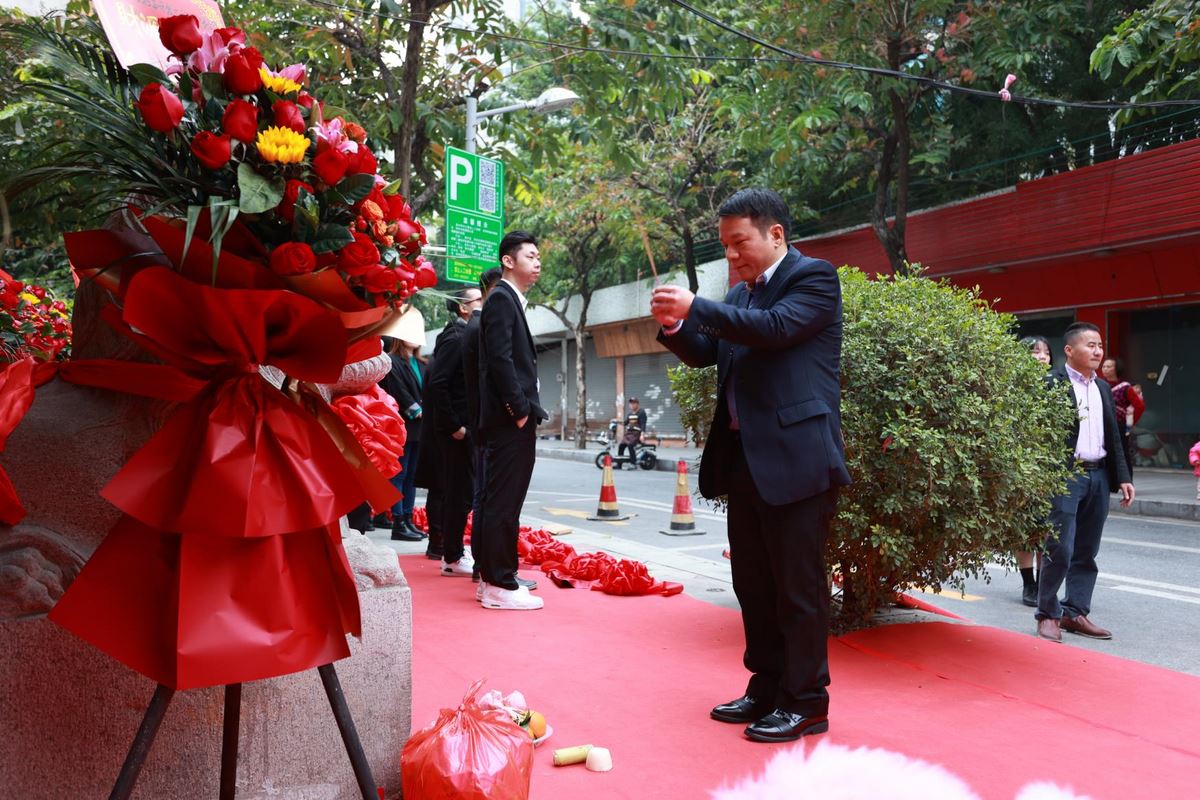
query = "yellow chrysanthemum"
{"x": 277, "y": 83}
{"x": 30, "y": 298}
{"x": 281, "y": 146}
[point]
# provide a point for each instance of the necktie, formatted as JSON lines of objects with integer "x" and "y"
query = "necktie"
{"x": 754, "y": 290}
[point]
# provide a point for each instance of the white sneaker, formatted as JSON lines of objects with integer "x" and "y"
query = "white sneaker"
{"x": 459, "y": 569}
{"x": 479, "y": 591}
{"x": 518, "y": 599}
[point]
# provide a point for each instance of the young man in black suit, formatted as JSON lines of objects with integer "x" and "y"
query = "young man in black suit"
{"x": 446, "y": 394}
{"x": 1078, "y": 516}
{"x": 470, "y": 359}
{"x": 509, "y": 413}
{"x": 775, "y": 449}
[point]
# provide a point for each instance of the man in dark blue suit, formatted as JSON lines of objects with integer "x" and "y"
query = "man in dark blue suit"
{"x": 775, "y": 449}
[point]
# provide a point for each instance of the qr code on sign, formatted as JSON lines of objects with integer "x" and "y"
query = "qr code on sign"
{"x": 487, "y": 200}
{"x": 487, "y": 172}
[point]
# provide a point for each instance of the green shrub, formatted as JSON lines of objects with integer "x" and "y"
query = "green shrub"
{"x": 695, "y": 393}
{"x": 953, "y": 438}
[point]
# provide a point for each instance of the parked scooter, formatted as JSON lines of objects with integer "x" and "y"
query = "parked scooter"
{"x": 647, "y": 454}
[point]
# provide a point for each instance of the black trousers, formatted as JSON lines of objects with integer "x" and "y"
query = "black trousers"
{"x": 509, "y": 455}
{"x": 458, "y": 491}
{"x": 777, "y": 557}
{"x": 478, "y": 452}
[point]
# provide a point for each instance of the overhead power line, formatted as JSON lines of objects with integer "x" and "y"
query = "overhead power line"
{"x": 950, "y": 87}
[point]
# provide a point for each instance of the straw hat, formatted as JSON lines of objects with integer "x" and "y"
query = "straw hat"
{"x": 408, "y": 327}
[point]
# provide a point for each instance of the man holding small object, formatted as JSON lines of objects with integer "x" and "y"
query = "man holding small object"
{"x": 775, "y": 449}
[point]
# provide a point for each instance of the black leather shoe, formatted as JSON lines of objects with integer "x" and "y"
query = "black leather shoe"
{"x": 400, "y": 534}
{"x": 784, "y": 726}
{"x": 1029, "y": 595}
{"x": 744, "y": 709}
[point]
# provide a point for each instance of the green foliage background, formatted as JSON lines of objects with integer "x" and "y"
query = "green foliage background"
{"x": 953, "y": 438}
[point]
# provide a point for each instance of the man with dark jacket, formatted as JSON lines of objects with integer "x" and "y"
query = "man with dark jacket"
{"x": 509, "y": 413}
{"x": 447, "y": 394}
{"x": 470, "y": 359}
{"x": 1078, "y": 516}
{"x": 775, "y": 449}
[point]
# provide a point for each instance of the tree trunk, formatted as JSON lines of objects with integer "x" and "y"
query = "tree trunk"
{"x": 580, "y": 388}
{"x": 419, "y": 11}
{"x": 689, "y": 254}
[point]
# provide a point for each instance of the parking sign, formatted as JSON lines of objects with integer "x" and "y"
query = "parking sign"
{"x": 474, "y": 214}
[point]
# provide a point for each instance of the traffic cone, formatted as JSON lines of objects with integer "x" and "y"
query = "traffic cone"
{"x": 682, "y": 521}
{"x": 607, "y": 510}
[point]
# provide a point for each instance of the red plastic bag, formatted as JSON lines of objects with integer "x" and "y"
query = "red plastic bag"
{"x": 469, "y": 753}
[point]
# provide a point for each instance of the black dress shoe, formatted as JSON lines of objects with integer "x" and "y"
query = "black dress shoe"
{"x": 784, "y": 726}
{"x": 1029, "y": 595}
{"x": 744, "y": 709}
{"x": 400, "y": 534}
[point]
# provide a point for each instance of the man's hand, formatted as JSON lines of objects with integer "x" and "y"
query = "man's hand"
{"x": 522, "y": 420}
{"x": 459, "y": 434}
{"x": 669, "y": 304}
{"x": 1126, "y": 494}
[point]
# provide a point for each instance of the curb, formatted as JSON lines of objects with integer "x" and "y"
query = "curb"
{"x": 589, "y": 456}
{"x": 1139, "y": 508}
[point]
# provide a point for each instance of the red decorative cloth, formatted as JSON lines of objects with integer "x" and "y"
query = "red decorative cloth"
{"x": 599, "y": 571}
{"x": 17, "y": 383}
{"x": 227, "y": 566}
{"x": 374, "y": 419}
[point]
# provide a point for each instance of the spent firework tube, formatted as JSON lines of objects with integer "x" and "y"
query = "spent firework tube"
{"x": 571, "y": 755}
{"x": 599, "y": 759}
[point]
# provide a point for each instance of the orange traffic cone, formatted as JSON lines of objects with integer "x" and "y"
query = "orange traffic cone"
{"x": 607, "y": 510}
{"x": 682, "y": 521}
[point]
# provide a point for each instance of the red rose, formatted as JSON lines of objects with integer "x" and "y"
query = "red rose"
{"x": 359, "y": 256}
{"x": 228, "y": 37}
{"x": 291, "y": 192}
{"x": 180, "y": 34}
{"x": 397, "y": 207}
{"x": 380, "y": 279}
{"x": 240, "y": 120}
{"x": 161, "y": 109}
{"x": 287, "y": 115}
{"x": 330, "y": 165}
{"x": 410, "y": 235}
{"x": 305, "y": 99}
{"x": 241, "y": 71}
{"x": 293, "y": 258}
{"x": 426, "y": 278}
{"x": 211, "y": 149}
{"x": 363, "y": 161}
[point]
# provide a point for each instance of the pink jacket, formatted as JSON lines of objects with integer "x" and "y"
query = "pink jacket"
{"x": 1194, "y": 459}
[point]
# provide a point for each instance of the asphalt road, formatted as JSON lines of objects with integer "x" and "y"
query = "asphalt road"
{"x": 1148, "y": 593}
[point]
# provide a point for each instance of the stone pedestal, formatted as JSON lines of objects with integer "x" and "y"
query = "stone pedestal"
{"x": 69, "y": 713}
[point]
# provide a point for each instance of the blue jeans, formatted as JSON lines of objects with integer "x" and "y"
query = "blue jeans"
{"x": 405, "y": 480}
{"x": 1078, "y": 519}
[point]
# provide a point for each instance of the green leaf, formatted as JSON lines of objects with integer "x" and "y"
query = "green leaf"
{"x": 393, "y": 187}
{"x": 351, "y": 189}
{"x": 257, "y": 192}
{"x": 146, "y": 74}
{"x": 331, "y": 237}
{"x": 307, "y": 216}
{"x": 212, "y": 85}
{"x": 193, "y": 216}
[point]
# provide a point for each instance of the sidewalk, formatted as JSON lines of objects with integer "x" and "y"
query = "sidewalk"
{"x": 1160, "y": 492}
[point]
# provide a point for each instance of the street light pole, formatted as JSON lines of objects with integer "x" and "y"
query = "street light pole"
{"x": 548, "y": 101}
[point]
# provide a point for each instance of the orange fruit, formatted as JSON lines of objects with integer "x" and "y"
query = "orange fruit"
{"x": 537, "y": 725}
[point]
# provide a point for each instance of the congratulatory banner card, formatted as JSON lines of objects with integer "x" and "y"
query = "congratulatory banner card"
{"x": 132, "y": 25}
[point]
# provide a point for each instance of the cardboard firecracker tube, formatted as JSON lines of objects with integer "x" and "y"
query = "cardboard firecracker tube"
{"x": 571, "y": 755}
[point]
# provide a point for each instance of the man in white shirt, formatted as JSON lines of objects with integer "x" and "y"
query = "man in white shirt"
{"x": 1078, "y": 515}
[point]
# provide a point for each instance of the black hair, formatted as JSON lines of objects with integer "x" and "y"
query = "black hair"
{"x": 455, "y": 304}
{"x": 1029, "y": 341}
{"x": 489, "y": 279}
{"x": 513, "y": 240}
{"x": 1076, "y": 329}
{"x": 763, "y": 206}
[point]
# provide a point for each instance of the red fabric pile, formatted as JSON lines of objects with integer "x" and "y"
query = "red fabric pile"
{"x": 600, "y": 571}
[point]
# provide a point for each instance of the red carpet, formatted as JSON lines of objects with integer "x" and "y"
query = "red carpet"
{"x": 638, "y": 674}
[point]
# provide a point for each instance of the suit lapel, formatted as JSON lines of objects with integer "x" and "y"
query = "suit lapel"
{"x": 521, "y": 314}
{"x": 774, "y": 287}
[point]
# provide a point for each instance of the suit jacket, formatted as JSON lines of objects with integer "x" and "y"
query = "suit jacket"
{"x": 783, "y": 353}
{"x": 402, "y": 384}
{"x": 446, "y": 391}
{"x": 1114, "y": 450}
{"x": 470, "y": 368}
{"x": 508, "y": 381}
